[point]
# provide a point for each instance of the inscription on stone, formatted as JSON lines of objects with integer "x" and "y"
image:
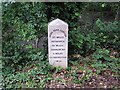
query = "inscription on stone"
{"x": 58, "y": 43}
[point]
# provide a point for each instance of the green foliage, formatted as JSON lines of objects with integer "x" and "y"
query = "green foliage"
{"x": 110, "y": 26}
{"x": 110, "y": 32}
{"x": 104, "y": 35}
{"x": 25, "y": 32}
{"x": 100, "y": 6}
{"x": 34, "y": 54}
{"x": 104, "y": 61}
{"x": 22, "y": 23}
{"x": 85, "y": 74}
{"x": 76, "y": 41}
{"x": 29, "y": 76}
{"x": 101, "y": 53}
{"x": 25, "y": 66}
{"x": 99, "y": 66}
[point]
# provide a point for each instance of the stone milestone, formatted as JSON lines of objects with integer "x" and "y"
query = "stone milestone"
{"x": 58, "y": 43}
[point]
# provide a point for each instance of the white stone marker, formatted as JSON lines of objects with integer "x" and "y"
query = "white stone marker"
{"x": 58, "y": 43}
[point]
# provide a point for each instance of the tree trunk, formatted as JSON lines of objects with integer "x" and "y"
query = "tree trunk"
{"x": 117, "y": 17}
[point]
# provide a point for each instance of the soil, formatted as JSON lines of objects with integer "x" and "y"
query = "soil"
{"x": 104, "y": 80}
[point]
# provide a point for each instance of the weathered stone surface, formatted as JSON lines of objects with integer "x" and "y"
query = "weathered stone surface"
{"x": 58, "y": 43}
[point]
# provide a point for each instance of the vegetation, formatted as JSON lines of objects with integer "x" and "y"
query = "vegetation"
{"x": 94, "y": 45}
